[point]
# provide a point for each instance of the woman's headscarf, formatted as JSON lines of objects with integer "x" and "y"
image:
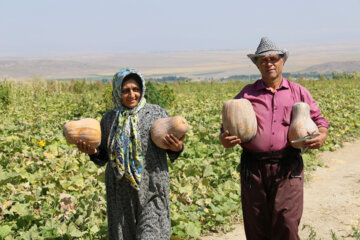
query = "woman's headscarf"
{"x": 125, "y": 146}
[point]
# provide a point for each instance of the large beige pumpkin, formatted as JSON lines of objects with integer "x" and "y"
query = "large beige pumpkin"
{"x": 239, "y": 119}
{"x": 87, "y": 130}
{"x": 301, "y": 123}
{"x": 177, "y": 126}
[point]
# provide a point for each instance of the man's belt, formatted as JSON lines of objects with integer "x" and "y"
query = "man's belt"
{"x": 280, "y": 154}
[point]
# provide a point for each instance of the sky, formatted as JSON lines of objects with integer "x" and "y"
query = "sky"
{"x": 46, "y": 27}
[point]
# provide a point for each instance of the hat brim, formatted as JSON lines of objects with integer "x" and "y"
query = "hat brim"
{"x": 284, "y": 52}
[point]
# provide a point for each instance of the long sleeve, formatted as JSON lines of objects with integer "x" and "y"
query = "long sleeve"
{"x": 174, "y": 155}
{"x": 315, "y": 112}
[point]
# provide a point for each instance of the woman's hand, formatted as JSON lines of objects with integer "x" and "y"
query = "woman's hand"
{"x": 85, "y": 148}
{"x": 229, "y": 141}
{"x": 173, "y": 143}
{"x": 316, "y": 142}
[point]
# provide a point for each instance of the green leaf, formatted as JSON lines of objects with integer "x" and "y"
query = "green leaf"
{"x": 21, "y": 209}
{"x": 78, "y": 180}
{"x": 5, "y": 230}
{"x": 30, "y": 234}
{"x": 193, "y": 230}
{"x": 219, "y": 218}
{"x": 208, "y": 171}
{"x": 186, "y": 189}
{"x": 218, "y": 198}
{"x": 6, "y": 177}
{"x": 94, "y": 229}
{"x": 62, "y": 229}
{"x": 74, "y": 232}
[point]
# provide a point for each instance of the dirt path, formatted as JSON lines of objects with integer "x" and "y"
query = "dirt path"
{"x": 331, "y": 197}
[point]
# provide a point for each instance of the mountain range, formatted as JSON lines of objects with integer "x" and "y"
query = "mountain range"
{"x": 200, "y": 65}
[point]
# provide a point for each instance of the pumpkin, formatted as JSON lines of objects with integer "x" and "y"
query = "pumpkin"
{"x": 239, "y": 119}
{"x": 177, "y": 126}
{"x": 87, "y": 130}
{"x": 301, "y": 123}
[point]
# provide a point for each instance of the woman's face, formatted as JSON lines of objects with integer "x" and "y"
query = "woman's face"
{"x": 130, "y": 93}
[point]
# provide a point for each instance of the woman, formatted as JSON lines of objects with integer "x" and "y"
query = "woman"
{"x": 137, "y": 178}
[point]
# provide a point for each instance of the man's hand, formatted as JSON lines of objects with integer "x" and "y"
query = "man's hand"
{"x": 173, "y": 143}
{"x": 85, "y": 148}
{"x": 316, "y": 142}
{"x": 229, "y": 141}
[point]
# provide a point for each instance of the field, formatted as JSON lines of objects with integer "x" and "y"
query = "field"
{"x": 48, "y": 190}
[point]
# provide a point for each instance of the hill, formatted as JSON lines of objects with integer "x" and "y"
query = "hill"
{"x": 329, "y": 67}
{"x": 197, "y": 65}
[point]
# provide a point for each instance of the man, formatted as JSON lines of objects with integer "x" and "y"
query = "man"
{"x": 271, "y": 170}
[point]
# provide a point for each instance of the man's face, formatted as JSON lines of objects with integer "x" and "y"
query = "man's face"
{"x": 270, "y": 66}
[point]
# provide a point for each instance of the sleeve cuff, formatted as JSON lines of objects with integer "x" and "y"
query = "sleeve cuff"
{"x": 172, "y": 152}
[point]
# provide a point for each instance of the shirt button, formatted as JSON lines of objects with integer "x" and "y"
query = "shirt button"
{"x": 275, "y": 108}
{"x": 273, "y": 133}
{"x": 274, "y": 120}
{"x": 271, "y": 145}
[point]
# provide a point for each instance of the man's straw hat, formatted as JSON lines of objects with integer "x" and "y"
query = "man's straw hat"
{"x": 268, "y": 47}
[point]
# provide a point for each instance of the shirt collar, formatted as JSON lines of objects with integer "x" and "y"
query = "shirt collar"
{"x": 260, "y": 84}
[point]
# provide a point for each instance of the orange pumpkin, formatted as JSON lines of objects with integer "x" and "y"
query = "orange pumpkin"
{"x": 87, "y": 130}
{"x": 177, "y": 126}
{"x": 239, "y": 119}
{"x": 301, "y": 123}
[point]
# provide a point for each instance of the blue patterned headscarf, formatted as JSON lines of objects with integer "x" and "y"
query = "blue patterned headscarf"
{"x": 125, "y": 146}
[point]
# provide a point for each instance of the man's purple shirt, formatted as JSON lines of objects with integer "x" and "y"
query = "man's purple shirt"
{"x": 273, "y": 113}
